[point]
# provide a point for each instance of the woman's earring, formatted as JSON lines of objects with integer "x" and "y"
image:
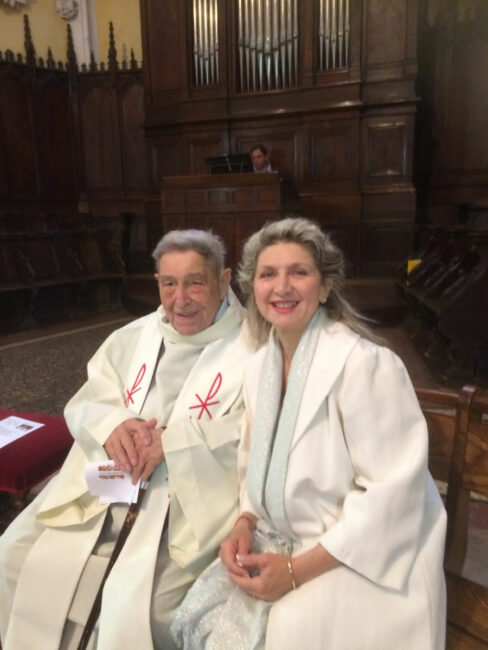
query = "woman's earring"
{"x": 322, "y": 302}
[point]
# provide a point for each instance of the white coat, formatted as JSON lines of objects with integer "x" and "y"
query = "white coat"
{"x": 358, "y": 484}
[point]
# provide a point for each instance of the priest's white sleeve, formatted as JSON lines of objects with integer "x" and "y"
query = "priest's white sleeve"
{"x": 201, "y": 456}
{"x": 98, "y": 407}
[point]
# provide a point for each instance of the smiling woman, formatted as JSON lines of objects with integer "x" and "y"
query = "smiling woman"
{"x": 288, "y": 289}
{"x": 340, "y": 519}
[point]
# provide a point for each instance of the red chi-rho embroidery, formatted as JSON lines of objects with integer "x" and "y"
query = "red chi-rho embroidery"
{"x": 204, "y": 404}
{"x": 136, "y": 386}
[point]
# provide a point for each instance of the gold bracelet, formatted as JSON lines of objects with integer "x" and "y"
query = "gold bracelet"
{"x": 292, "y": 575}
{"x": 248, "y": 518}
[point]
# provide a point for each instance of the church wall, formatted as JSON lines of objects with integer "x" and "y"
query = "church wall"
{"x": 71, "y": 137}
{"x": 47, "y": 27}
{"x": 127, "y": 28}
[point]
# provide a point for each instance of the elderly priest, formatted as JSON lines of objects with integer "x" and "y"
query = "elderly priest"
{"x": 163, "y": 400}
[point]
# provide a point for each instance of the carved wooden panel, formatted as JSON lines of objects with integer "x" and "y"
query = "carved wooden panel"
{"x": 201, "y": 146}
{"x": 467, "y": 141}
{"x": 16, "y": 137}
{"x": 69, "y": 138}
{"x": 134, "y": 142}
{"x": 100, "y": 140}
{"x": 389, "y": 39}
{"x": 55, "y": 139}
{"x": 380, "y": 238}
{"x": 163, "y": 33}
{"x": 169, "y": 151}
{"x": 387, "y": 145}
{"x": 386, "y": 150}
{"x": 333, "y": 148}
{"x": 387, "y": 229}
{"x": 332, "y": 206}
{"x": 453, "y": 88}
{"x": 386, "y": 20}
{"x": 381, "y": 205}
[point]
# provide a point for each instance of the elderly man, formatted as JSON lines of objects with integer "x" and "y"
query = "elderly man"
{"x": 163, "y": 400}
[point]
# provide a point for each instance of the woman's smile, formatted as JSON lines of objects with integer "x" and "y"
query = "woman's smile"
{"x": 288, "y": 287}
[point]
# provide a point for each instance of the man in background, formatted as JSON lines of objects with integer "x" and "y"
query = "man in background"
{"x": 260, "y": 160}
{"x": 290, "y": 201}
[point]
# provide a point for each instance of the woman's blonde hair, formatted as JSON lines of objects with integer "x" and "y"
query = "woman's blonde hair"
{"x": 328, "y": 259}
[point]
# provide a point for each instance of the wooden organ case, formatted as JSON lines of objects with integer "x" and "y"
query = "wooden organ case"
{"x": 327, "y": 85}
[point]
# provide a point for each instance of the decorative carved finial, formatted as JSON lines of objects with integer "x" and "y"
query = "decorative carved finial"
{"x": 93, "y": 63}
{"x": 112, "y": 52}
{"x": 30, "y": 52}
{"x": 50, "y": 62}
{"x": 133, "y": 62}
{"x": 70, "y": 52}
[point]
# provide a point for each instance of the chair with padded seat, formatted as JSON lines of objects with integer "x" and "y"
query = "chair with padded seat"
{"x": 27, "y": 461}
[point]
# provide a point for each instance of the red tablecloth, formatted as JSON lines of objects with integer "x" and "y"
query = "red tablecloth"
{"x": 33, "y": 457}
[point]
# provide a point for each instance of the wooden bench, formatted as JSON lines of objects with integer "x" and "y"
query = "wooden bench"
{"x": 54, "y": 269}
{"x": 450, "y": 281}
{"x": 458, "y": 432}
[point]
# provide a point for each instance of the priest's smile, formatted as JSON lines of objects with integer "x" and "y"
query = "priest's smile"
{"x": 190, "y": 289}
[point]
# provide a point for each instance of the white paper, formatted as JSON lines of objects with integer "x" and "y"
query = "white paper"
{"x": 13, "y": 427}
{"x": 110, "y": 484}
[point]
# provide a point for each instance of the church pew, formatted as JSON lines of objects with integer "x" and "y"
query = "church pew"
{"x": 440, "y": 409}
{"x": 450, "y": 282}
{"x": 467, "y": 605}
{"x": 54, "y": 268}
{"x": 458, "y": 425}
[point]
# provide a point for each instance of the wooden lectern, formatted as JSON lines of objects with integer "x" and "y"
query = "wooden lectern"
{"x": 232, "y": 205}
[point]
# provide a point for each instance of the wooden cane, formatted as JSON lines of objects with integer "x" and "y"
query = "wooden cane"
{"x": 121, "y": 539}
